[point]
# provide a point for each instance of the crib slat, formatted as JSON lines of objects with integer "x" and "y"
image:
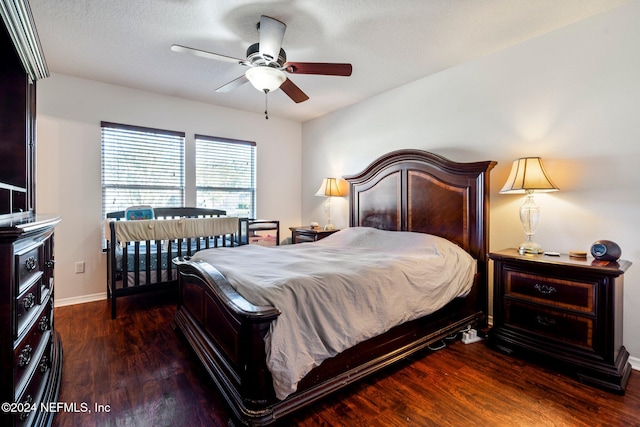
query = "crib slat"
{"x": 169, "y": 258}
{"x": 136, "y": 264}
{"x": 125, "y": 265}
{"x": 158, "y": 260}
{"x": 148, "y": 266}
{"x": 189, "y": 247}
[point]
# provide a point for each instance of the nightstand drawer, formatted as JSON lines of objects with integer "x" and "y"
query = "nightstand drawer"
{"x": 309, "y": 234}
{"x": 573, "y": 295}
{"x": 568, "y": 328}
{"x": 303, "y": 238}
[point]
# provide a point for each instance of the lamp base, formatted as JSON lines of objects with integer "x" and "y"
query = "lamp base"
{"x": 529, "y": 247}
{"x": 329, "y": 227}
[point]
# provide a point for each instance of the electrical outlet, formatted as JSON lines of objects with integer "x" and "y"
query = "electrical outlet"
{"x": 79, "y": 267}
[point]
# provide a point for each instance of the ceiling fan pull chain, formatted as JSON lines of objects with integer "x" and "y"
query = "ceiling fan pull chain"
{"x": 266, "y": 104}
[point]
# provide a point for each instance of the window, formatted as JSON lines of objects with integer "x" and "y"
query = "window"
{"x": 141, "y": 166}
{"x": 226, "y": 175}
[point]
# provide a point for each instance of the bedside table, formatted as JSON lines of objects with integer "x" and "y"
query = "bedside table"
{"x": 308, "y": 234}
{"x": 562, "y": 310}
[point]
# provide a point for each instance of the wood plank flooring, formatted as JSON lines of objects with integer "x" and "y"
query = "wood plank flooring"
{"x": 143, "y": 374}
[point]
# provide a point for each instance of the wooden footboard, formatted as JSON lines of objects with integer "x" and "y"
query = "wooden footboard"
{"x": 227, "y": 334}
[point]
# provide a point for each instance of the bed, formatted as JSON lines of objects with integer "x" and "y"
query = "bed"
{"x": 141, "y": 262}
{"x": 405, "y": 191}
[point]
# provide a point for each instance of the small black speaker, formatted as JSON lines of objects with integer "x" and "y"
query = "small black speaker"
{"x": 606, "y": 250}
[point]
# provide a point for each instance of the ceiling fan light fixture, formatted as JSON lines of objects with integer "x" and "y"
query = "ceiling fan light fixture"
{"x": 265, "y": 79}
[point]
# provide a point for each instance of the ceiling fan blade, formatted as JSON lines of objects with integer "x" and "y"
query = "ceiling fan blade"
{"x": 228, "y": 87}
{"x": 293, "y": 91}
{"x": 323, "y": 68}
{"x": 271, "y": 36}
{"x": 205, "y": 54}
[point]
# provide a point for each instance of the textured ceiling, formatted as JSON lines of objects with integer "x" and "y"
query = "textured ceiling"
{"x": 389, "y": 42}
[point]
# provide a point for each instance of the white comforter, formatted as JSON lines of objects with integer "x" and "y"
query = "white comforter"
{"x": 339, "y": 291}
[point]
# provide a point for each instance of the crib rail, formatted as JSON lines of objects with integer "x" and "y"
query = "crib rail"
{"x": 145, "y": 265}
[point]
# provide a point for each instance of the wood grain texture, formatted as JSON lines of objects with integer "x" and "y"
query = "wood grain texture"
{"x": 145, "y": 371}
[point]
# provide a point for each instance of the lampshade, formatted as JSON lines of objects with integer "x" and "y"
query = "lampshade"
{"x": 329, "y": 188}
{"x": 528, "y": 174}
{"x": 265, "y": 79}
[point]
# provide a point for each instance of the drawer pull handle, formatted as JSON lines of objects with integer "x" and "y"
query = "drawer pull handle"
{"x": 44, "y": 364}
{"x": 25, "y": 356}
{"x": 27, "y": 402}
{"x": 44, "y": 324}
{"x": 545, "y": 321}
{"x": 545, "y": 289}
{"x": 29, "y": 301}
{"x": 31, "y": 264}
{"x": 50, "y": 264}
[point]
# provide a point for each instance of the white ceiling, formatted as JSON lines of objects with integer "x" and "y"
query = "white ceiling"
{"x": 389, "y": 42}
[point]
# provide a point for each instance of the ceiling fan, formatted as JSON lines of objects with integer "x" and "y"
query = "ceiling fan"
{"x": 267, "y": 63}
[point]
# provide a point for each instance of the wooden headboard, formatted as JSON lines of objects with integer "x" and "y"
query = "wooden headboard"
{"x": 414, "y": 190}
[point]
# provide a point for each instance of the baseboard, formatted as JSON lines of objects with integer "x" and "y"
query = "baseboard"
{"x": 61, "y": 302}
{"x": 635, "y": 363}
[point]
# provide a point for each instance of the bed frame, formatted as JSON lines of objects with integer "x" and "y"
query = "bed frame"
{"x": 408, "y": 190}
{"x": 119, "y": 283}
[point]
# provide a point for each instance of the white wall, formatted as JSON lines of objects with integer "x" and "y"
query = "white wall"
{"x": 68, "y": 171}
{"x": 571, "y": 97}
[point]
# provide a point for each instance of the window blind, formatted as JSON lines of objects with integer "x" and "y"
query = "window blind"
{"x": 226, "y": 175}
{"x": 141, "y": 166}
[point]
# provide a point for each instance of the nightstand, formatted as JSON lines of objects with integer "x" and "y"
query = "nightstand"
{"x": 562, "y": 310}
{"x": 308, "y": 234}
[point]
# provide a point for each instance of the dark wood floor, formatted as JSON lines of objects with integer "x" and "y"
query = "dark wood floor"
{"x": 143, "y": 374}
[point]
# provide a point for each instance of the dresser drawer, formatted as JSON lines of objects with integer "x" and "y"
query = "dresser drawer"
{"x": 27, "y": 305}
{"x": 30, "y": 352}
{"x": 570, "y": 294}
{"x": 28, "y": 265}
{"x": 568, "y": 328}
{"x": 33, "y": 392}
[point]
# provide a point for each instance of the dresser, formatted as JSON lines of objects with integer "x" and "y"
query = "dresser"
{"x": 30, "y": 349}
{"x": 31, "y": 352}
{"x": 562, "y": 311}
{"x": 308, "y": 234}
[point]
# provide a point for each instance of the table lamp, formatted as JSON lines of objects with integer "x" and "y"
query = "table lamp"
{"x": 329, "y": 189}
{"x": 528, "y": 176}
